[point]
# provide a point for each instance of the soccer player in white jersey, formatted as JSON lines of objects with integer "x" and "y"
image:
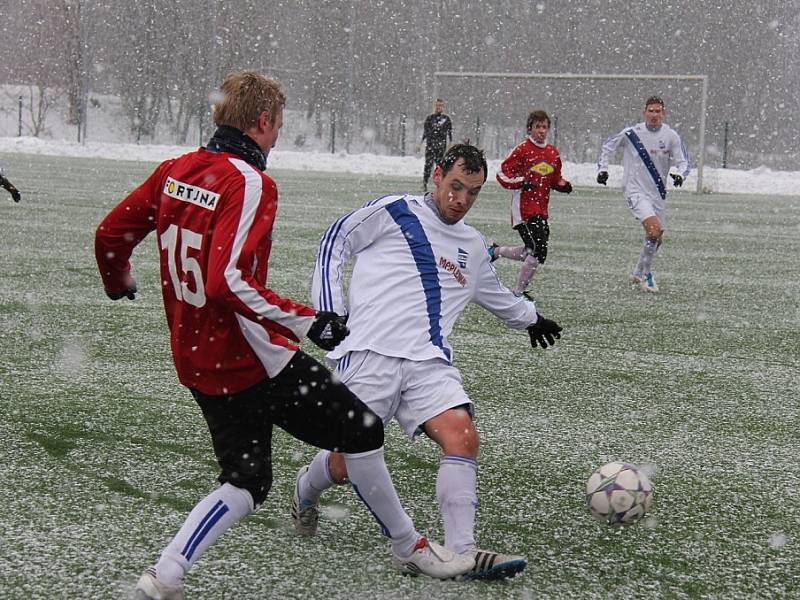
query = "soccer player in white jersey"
{"x": 235, "y": 342}
{"x": 650, "y": 148}
{"x": 415, "y": 267}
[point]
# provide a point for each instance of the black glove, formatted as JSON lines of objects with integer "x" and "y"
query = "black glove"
{"x": 328, "y": 330}
{"x": 602, "y": 177}
{"x": 528, "y": 186}
{"x": 564, "y": 189}
{"x": 129, "y": 293}
{"x": 544, "y": 332}
{"x": 677, "y": 180}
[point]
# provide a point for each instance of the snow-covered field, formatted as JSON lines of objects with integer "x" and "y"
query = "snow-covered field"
{"x": 103, "y": 452}
{"x": 761, "y": 180}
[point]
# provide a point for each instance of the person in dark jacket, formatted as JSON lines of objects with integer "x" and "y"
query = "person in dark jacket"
{"x": 438, "y": 128}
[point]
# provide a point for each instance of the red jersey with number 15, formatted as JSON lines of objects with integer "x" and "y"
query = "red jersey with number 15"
{"x": 213, "y": 214}
{"x": 541, "y": 166}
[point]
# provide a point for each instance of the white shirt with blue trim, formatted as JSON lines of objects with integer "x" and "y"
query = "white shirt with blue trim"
{"x": 412, "y": 276}
{"x": 665, "y": 149}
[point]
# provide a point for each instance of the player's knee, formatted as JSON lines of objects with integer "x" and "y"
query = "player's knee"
{"x": 251, "y": 471}
{"x": 456, "y": 434}
{"x": 471, "y": 441}
{"x": 364, "y": 435}
{"x": 258, "y": 483}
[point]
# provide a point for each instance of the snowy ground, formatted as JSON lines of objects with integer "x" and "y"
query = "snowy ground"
{"x": 104, "y": 452}
{"x": 761, "y": 180}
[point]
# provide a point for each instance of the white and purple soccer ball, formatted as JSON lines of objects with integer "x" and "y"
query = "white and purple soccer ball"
{"x": 618, "y": 494}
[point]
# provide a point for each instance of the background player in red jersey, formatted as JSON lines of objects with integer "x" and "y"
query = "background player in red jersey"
{"x": 234, "y": 340}
{"x": 531, "y": 170}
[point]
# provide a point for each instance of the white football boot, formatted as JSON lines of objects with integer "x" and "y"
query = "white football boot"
{"x": 305, "y": 516}
{"x": 150, "y": 588}
{"x": 433, "y": 560}
{"x": 492, "y": 565}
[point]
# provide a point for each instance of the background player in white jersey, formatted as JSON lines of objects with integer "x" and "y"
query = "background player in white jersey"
{"x": 234, "y": 340}
{"x": 416, "y": 266}
{"x": 650, "y": 148}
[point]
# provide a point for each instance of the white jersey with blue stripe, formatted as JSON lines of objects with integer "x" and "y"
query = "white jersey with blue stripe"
{"x": 412, "y": 276}
{"x": 664, "y": 148}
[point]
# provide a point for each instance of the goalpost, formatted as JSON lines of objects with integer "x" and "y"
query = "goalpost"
{"x": 702, "y": 79}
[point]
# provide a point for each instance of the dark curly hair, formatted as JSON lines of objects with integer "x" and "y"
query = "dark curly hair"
{"x": 474, "y": 159}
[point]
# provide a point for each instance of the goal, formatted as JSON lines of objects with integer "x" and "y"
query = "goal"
{"x": 585, "y": 107}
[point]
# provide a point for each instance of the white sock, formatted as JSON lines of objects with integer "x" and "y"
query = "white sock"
{"x": 371, "y": 481}
{"x": 317, "y": 479}
{"x": 526, "y": 273}
{"x": 456, "y": 491}
{"x": 208, "y": 520}
{"x": 646, "y": 256}
{"x": 512, "y": 252}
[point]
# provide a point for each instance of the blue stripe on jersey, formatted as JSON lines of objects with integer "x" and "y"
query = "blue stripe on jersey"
{"x": 326, "y": 250}
{"x": 685, "y": 150}
{"x": 375, "y": 201}
{"x": 343, "y": 363}
{"x": 422, "y": 253}
{"x": 648, "y": 162}
{"x": 211, "y": 518}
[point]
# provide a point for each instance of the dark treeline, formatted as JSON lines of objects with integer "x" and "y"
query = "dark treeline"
{"x": 369, "y": 65}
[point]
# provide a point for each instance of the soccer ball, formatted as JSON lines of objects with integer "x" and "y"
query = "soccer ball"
{"x": 618, "y": 494}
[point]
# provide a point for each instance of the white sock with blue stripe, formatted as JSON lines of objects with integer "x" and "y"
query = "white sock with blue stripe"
{"x": 208, "y": 520}
{"x": 456, "y": 491}
{"x": 646, "y": 256}
{"x": 371, "y": 481}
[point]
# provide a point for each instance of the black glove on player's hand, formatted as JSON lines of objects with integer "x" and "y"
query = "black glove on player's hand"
{"x": 328, "y": 330}
{"x": 564, "y": 189}
{"x": 544, "y": 332}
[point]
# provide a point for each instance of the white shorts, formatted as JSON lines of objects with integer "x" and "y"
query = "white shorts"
{"x": 643, "y": 207}
{"x": 411, "y": 391}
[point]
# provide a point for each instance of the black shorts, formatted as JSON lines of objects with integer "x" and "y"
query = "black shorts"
{"x": 534, "y": 233}
{"x": 302, "y": 400}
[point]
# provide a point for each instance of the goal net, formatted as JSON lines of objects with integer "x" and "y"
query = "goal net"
{"x": 585, "y": 108}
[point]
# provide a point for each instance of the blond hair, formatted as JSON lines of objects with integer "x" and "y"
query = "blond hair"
{"x": 244, "y": 96}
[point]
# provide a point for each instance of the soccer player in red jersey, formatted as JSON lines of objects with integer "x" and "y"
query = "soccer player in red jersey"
{"x": 531, "y": 170}
{"x": 235, "y": 341}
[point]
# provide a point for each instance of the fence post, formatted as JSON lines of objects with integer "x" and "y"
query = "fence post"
{"x": 555, "y": 131}
{"x": 19, "y": 121}
{"x": 402, "y": 135}
{"x": 725, "y": 147}
{"x": 333, "y": 133}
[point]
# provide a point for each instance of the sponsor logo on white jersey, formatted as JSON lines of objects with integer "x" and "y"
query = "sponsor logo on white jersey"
{"x": 451, "y": 267}
{"x": 191, "y": 193}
